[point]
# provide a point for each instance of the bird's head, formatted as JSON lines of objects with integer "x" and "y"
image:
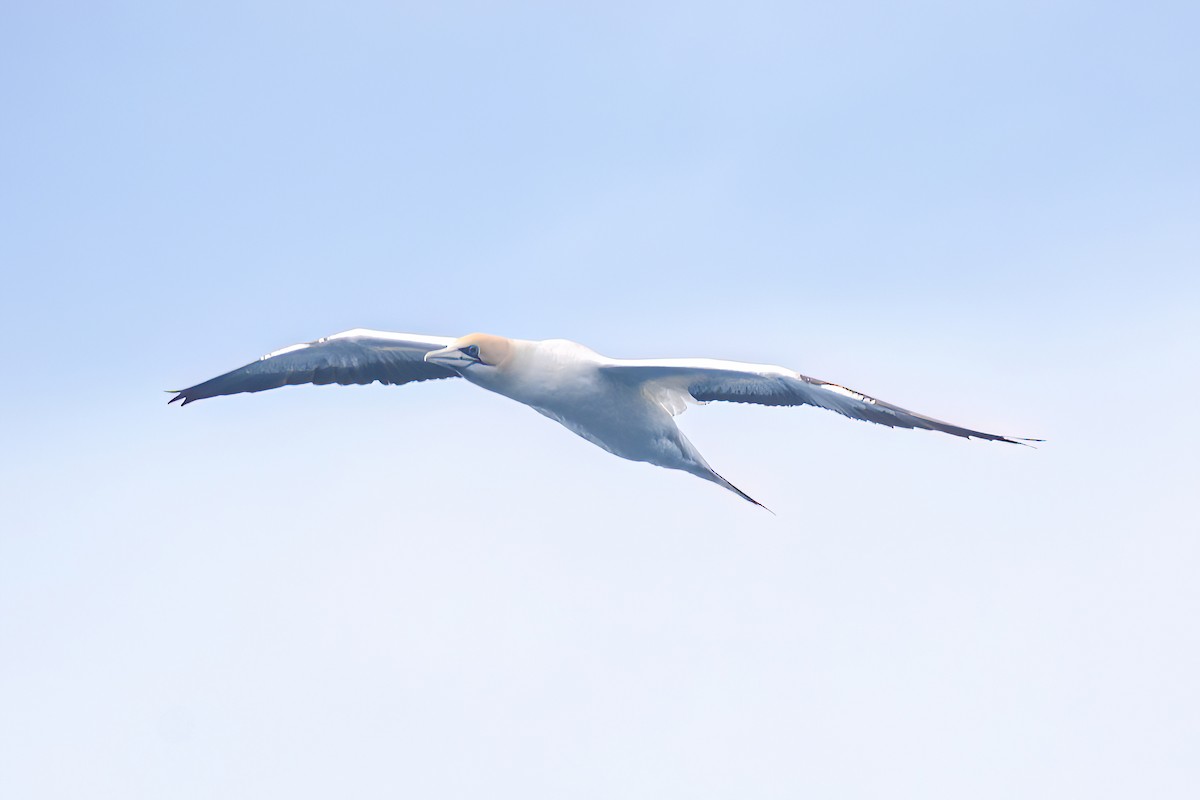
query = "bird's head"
{"x": 477, "y": 350}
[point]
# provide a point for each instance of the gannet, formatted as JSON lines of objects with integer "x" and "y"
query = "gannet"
{"x": 625, "y": 406}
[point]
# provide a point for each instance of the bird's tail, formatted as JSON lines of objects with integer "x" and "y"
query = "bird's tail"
{"x": 717, "y": 479}
{"x": 696, "y": 465}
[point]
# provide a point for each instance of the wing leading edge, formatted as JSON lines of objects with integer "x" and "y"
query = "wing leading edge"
{"x": 706, "y": 380}
{"x": 358, "y": 356}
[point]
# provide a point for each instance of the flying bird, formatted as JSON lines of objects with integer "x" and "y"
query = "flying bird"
{"x": 625, "y": 406}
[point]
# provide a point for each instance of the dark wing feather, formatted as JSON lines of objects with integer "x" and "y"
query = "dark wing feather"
{"x": 354, "y": 357}
{"x": 729, "y": 381}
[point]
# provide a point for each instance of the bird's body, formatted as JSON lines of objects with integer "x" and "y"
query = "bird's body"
{"x": 569, "y": 383}
{"x": 626, "y": 407}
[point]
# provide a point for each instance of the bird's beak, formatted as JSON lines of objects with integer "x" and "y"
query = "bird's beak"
{"x": 450, "y": 357}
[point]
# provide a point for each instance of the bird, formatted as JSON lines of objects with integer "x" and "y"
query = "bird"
{"x": 624, "y": 406}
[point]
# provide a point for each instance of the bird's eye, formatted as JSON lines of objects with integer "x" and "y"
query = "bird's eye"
{"x": 471, "y": 350}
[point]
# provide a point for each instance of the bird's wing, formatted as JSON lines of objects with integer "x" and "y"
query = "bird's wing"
{"x": 671, "y": 381}
{"x": 357, "y": 356}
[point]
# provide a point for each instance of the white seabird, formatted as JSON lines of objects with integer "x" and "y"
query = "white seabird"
{"x": 624, "y": 406}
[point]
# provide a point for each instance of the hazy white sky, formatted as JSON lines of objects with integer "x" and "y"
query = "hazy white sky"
{"x": 985, "y": 212}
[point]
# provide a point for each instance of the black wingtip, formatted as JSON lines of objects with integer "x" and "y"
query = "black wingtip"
{"x": 1021, "y": 440}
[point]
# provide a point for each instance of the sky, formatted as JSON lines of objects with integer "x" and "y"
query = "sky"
{"x": 985, "y": 212}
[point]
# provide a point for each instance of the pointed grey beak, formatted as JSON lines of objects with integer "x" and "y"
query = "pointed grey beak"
{"x": 450, "y": 357}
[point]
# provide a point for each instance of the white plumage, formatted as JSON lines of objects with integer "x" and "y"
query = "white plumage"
{"x": 624, "y": 406}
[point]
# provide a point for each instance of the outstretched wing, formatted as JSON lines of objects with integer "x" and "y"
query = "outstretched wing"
{"x": 703, "y": 380}
{"x": 357, "y": 356}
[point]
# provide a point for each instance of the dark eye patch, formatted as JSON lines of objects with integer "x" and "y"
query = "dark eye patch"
{"x": 471, "y": 350}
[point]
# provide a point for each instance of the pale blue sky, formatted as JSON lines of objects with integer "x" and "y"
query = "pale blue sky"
{"x": 986, "y": 212}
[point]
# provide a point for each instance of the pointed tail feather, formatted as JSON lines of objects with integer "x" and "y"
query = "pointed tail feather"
{"x": 720, "y": 481}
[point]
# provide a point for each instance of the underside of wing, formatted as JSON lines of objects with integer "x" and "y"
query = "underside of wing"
{"x": 358, "y": 356}
{"x": 706, "y": 380}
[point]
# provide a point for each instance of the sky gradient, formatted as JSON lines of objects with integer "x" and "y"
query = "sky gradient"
{"x": 984, "y": 212}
